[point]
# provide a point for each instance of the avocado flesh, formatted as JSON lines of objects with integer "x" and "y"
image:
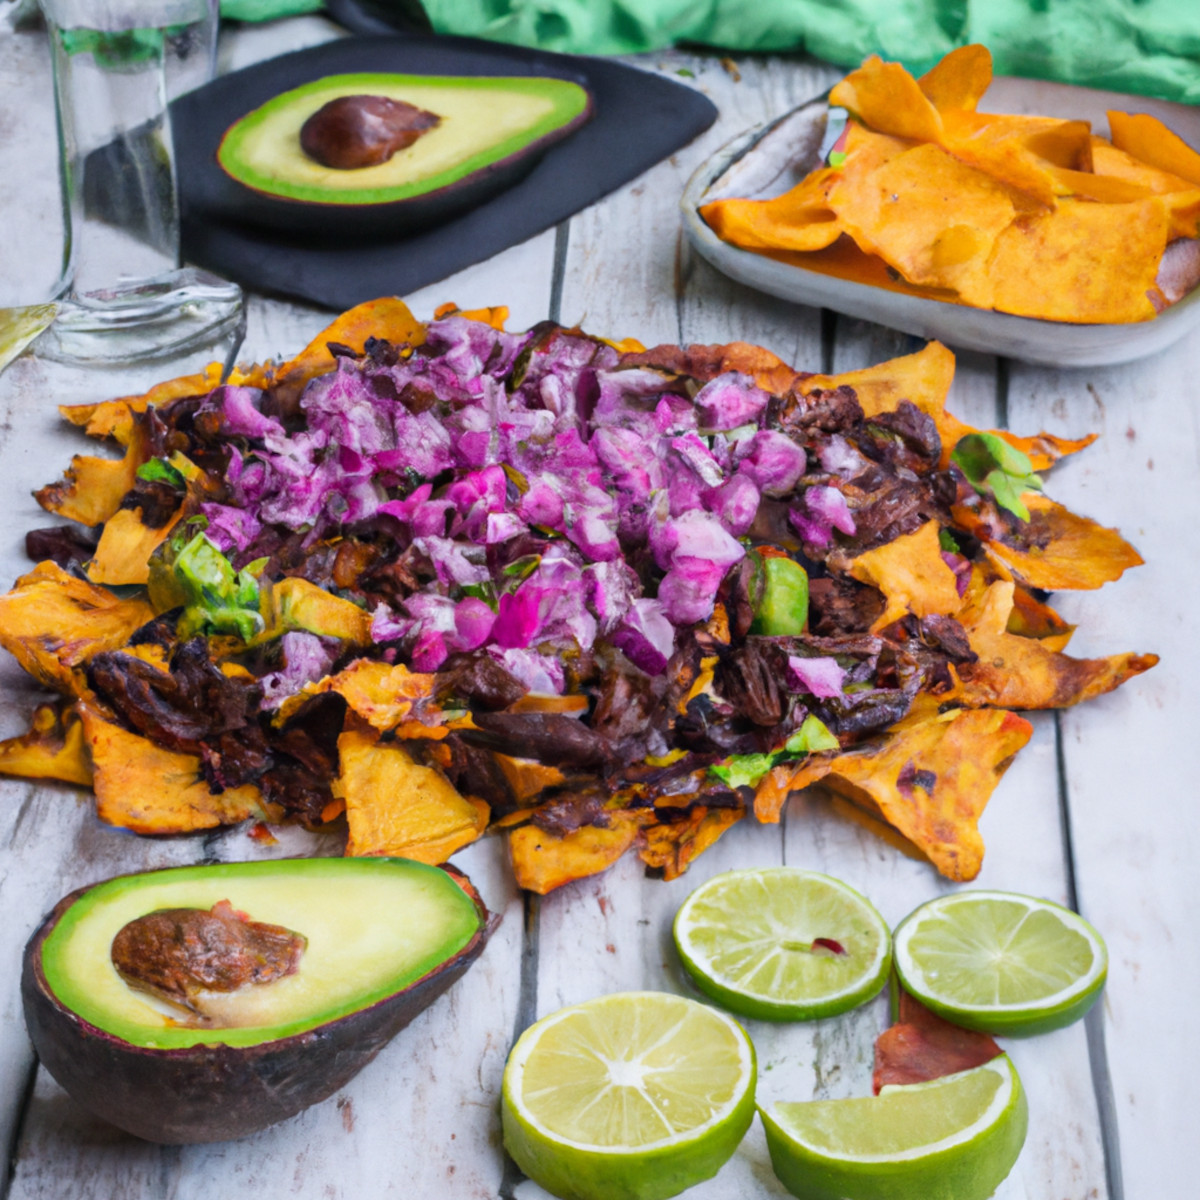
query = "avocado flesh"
{"x": 374, "y": 927}
{"x": 484, "y": 121}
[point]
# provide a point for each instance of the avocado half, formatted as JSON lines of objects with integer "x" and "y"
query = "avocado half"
{"x": 491, "y": 132}
{"x": 385, "y": 937}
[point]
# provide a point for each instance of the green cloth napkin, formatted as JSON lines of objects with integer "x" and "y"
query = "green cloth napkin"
{"x": 1147, "y": 46}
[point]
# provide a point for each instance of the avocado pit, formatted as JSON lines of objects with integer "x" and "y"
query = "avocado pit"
{"x": 385, "y": 938}
{"x": 182, "y": 955}
{"x": 358, "y": 131}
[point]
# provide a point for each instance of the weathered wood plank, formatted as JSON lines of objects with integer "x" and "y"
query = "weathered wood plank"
{"x": 1129, "y": 759}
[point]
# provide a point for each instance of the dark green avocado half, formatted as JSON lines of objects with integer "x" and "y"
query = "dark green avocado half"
{"x": 492, "y": 131}
{"x": 385, "y": 937}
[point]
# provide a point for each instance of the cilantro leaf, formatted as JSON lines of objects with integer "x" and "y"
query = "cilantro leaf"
{"x": 994, "y": 467}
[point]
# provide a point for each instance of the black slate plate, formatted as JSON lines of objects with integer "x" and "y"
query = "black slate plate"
{"x": 640, "y": 118}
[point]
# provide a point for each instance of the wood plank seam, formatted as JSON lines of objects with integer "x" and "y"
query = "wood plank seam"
{"x": 527, "y": 1013}
{"x": 562, "y": 242}
{"x": 10, "y": 1158}
{"x": 1106, "y": 1109}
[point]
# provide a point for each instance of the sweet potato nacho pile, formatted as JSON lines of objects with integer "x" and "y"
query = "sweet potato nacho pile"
{"x": 441, "y": 578}
{"x": 1030, "y": 215}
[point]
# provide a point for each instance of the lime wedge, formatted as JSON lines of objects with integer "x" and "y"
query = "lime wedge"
{"x": 953, "y": 1138}
{"x": 637, "y": 1095}
{"x": 1001, "y": 962}
{"x": 783, "y": 944}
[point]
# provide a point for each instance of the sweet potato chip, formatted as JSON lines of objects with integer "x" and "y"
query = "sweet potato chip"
{"x": 54, "y": 748}
{"x": 1083, "y": 263}
{"x": 142, "y": 787}
{"x": 1030, "y": 618}
{"x": 387, "y": 318}
{"x": 114, "y": 418}
{"x": 912, "y": 575}
{"x": 92, "y": 488}
{"x": 1024, "y": 214}
{"x": 1021, "y": 152}
{"x": 934, "y": 218}
{"x": 923, "y": 378}
{"x": 52, "y": 623}
{"x": 381, "y": 694}
{"x": 1022, "y": 672}
{"x": 1148, "y": 139}
{"x": 295, "y": 603}
{"x": 527, "y": 778}
{"x": 672, "y": 848}
{"x": 885, "y": 97}
{"x": 543, "y": 861}
{"x": 396, "y": 807}
{"x": 930, "y": 778}
{"x": 800, "y": 219}
{"x": 123, "y": 553}
{"x": 1055, "y": 549}
{"x": 959, "y": 80}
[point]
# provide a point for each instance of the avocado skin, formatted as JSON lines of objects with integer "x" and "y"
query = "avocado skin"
{"x": 217, "y": 1093}
{"x": 337, "y": 220}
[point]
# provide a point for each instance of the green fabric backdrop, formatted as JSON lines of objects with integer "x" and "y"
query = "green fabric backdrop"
{"x": 1146, "y": 46}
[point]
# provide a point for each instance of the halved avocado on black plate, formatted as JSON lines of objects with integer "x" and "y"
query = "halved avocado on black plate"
{"x": 489, "y": 132}
{"x": 380, "y": 939}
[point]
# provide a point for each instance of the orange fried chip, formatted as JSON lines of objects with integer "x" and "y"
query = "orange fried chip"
{"x": 672, "y": 848}
{"x": 1022, "y": 152}
{"x": 52, "y": 623}
{"x": 886, "y": 98}
{"x": 123, "y": 553}
{"x": 912, "y": 575}
{"x": 543, "y": 861}
{"x": 1057, "y": 548}
{"x": 114, "y": 418}
{"x": 1148, "y": 139}
{"x": 930, "y": 778}
{"x": 54, "y": 748}
{"x": 800, "y": 219}
{"x": 934, "y": 218}
{"x": 92, "y": 488}
{"x": 1030, "y": 618}
{"x": 145, "y": 788}
{"x": 959, "y": 80}
{"x": 387, "y": 318}
{"x": 1022, "y": 672}
{"x": 382, "y": 695}
{"x": 397, "y": 807}
{"x": 1084, "y": 263}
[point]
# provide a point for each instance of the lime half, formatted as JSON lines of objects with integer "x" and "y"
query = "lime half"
{"x": 634, "y": 1096}
{"x": 783, "y": 944}
{"x": 953, "y": 1138}
{"x": 1001, "y": 962}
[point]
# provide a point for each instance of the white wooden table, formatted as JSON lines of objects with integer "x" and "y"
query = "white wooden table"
{"x": 1099, "y": 811}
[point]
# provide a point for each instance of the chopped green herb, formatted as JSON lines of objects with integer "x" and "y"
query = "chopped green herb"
{"x": 991, "y": 465}
{"x": 158, "y": 470}
{"x": 745, "y": 770}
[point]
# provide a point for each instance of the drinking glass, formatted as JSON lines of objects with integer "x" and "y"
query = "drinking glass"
{"x": 117, "y": 65}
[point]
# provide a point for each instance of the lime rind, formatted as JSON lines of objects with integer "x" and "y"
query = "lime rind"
{"x": 966, "y": 1165}
{"x": 943, "y": 958}
{"x": 737, "y": 935}
{"x": 653, "y": 1170}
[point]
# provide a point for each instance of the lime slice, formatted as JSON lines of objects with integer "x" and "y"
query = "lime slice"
{"x": 1000, "y": 962}
{"x": 783, "y": 944}
{"x": 953, "y": 1138}
{"x": 636, "y": 1095}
